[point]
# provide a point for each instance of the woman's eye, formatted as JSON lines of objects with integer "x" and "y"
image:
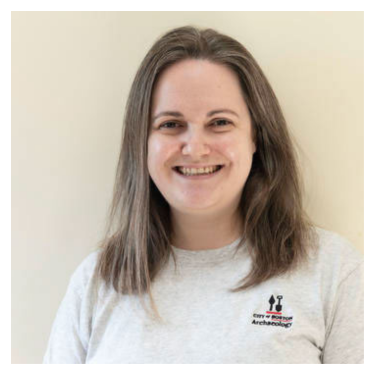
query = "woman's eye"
{"x": 226, "y": 122}
{"x": 166, "y": 123}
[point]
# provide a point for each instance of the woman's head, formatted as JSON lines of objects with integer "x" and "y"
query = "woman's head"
{"x": 195, "y": 71}
{"x": 206, "y": 58}
{"x": 212, "y": 127}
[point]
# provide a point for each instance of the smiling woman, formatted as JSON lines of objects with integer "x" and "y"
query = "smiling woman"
{"x": 207, "y": 227}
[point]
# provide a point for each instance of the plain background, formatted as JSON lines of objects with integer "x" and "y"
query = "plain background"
{"x": 71, "y": 73}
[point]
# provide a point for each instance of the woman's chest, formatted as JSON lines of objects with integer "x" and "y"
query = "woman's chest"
{"x": 270, "y": 324}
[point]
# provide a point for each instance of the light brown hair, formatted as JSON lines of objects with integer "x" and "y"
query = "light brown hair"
{"x": 277, "y": 231}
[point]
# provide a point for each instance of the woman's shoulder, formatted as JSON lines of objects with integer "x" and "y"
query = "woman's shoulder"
{"x": 83, "y": 275}
{"x": 336, "y": 253}
{"x": 336, "y": 245}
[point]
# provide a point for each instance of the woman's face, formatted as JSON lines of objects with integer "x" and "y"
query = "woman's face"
{"x": 194, "y": 88}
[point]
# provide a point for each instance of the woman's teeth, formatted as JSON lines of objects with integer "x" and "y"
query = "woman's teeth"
{"x": 197, "y": 171}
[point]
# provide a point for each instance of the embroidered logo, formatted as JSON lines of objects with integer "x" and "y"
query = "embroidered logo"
{"x": 274, "y": 315}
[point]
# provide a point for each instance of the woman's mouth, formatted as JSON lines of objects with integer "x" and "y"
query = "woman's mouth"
{"x": 198, "y": 174}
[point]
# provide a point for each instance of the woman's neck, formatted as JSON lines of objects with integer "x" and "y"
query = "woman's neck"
{"x": 202, "y": 232}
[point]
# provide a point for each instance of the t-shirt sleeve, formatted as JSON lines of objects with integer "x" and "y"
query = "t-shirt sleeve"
{"x": 345, "y": 335}
{"x": 65, "y": 343}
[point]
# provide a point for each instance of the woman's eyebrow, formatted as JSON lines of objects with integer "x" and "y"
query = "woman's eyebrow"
{"x": 179, "y": 114}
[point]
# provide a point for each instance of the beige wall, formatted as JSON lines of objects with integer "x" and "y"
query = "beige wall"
{"x": 71, "y": 73}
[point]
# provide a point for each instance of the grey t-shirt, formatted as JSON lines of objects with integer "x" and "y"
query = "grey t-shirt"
{"x": 314, "y": 315}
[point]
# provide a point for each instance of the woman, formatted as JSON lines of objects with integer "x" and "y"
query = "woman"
{"x": 209, "y": 256}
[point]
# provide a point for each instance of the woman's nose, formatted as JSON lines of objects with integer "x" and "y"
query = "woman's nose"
{"x": 195, "y": 144}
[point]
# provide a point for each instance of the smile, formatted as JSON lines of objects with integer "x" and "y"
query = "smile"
{"x": 194, "y": 174}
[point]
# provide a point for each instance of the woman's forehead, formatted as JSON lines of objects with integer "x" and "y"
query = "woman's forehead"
{"x": 195, "y": 84}
{"x": 196, "y": 74}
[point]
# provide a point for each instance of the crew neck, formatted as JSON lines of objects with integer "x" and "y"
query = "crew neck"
{"x": 208, "y": 256}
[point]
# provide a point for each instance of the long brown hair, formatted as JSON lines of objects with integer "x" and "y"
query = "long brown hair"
{"x": 136, "y": 244}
